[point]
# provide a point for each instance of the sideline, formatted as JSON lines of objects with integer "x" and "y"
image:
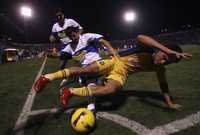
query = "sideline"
{"x": 23, "y": 117}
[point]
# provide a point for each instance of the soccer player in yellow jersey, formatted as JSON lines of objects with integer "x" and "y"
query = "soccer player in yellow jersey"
{"x": 152, "y": 57}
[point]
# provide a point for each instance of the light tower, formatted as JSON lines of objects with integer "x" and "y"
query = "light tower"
{"x": 130, "y": 17}
{"x": 27, "y": 13}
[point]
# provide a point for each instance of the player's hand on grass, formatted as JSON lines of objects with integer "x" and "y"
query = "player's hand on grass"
{"x": 169, "y": 102}
{"x": 175, "y": 106}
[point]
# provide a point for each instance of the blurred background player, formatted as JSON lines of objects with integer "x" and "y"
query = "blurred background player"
{"x": 59, "y": 30}
{"x": 58, "y": 33}
{"x": 118, "y": 68}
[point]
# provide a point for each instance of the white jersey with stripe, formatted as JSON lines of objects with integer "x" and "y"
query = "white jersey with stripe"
{"x": 86, "y": 50}
{"x": 60, "y": 30}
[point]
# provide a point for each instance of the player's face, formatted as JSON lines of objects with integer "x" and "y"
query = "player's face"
{"x": 74, "y": 36}
{"x": 60, "y": 17}
{"x": 161, "y": 58}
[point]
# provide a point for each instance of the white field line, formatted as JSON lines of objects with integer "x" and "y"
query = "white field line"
{"x": 136, "y": 127}
{"x": 47, "y": 111}
{"x": 123, "y": 121}
{"x": 177, "y": 125}
{"x": 23, "y": 117}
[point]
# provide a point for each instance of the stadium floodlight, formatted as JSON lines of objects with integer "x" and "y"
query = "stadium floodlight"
{"x": 26, "y": 11}
{"x": 129, "y": 16}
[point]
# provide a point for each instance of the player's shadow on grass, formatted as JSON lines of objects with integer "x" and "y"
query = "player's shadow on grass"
{"x": 104, "y": 103}
{"x": 35, "y": 122}
{"x": 114, "y": 101}
{"x": 110, "y": 102}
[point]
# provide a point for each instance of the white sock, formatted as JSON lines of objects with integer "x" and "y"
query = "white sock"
{"x": 63, "y": 81}
{"x": 91, "y": 107}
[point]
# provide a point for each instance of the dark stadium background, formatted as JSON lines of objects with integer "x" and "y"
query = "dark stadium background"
{"x": 104, "y": 17}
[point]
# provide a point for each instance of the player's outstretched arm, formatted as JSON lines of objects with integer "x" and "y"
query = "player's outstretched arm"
{"x": 107, "y": 44}
{"x": 152, "y": 43}
{"x": 43, "y": 80}
{"x": 161, "y": 76}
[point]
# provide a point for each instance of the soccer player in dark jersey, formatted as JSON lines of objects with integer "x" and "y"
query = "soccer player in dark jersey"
{"x": 153, "y": 57}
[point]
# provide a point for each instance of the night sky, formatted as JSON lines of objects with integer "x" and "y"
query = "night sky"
{"x": 103, "y": 17}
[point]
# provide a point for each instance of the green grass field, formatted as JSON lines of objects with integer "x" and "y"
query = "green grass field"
{"x": 140, "y": 100}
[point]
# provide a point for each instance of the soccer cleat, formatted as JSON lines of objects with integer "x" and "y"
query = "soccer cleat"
{"x": 65, "y": 96}
{"x": 40, "y": 83}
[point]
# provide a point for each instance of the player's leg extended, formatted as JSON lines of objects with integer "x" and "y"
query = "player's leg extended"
{"x": 115, "y": 80}
{"x": 71, "y": 72}
{"x": 101, "y": 67}
{"x": 65, "y": 73}
{"x": 111, "y": 86}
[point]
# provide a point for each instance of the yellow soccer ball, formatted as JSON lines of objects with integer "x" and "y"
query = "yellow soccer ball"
{"x": 83, "y": 120}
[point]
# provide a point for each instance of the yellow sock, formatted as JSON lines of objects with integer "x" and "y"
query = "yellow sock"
{"x": 83, "y": 91}
{"x": 58, "y": 75}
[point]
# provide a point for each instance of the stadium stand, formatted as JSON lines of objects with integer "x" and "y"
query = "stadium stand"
{"x": 182, "y": 38}
{"x": 29, "y": 51}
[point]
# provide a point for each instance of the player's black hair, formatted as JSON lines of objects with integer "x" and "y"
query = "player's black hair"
{"x": 176, "y": 48}
{"x": 72, "y": 28}
{"x": 58, "y": 15}
{"x": 59, "y": 10}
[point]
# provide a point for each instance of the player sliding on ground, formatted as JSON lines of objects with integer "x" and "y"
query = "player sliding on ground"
{"x": 82, "y": 48}
{"x": 152, "y": 57}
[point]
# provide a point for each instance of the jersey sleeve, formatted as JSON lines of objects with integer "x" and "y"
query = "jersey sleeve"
{"x": 94, "y": 37}
{"x": 53, "y": 30}
{"x": 73, "y": 23}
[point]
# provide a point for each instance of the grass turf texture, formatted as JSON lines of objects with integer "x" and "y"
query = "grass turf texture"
{"x": 16, "y": 80}
{"x": 140, "y": 100}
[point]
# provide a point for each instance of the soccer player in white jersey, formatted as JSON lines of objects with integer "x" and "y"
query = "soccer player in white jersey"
{"x": 84, "y": 50}
{"x": 59, "y": 30}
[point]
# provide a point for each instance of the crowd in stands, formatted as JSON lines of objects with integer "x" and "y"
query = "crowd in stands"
{"x": 29, "y": 51}
{"x": 181, "y": 38}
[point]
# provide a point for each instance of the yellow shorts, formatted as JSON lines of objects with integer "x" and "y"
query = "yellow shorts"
{"x": 113, "y": 69}
{"x": 118, "y": 69}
